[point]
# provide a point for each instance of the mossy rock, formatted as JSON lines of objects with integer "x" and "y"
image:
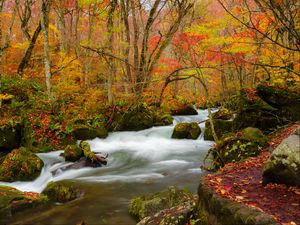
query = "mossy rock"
{"x": 87, "y": 151}
{"x": 135, "y": 121}
{"x": 59, "y": 193}
{"x": 20, "y": 165}
{"x": 222, "y": 114}
{"x": 163, "y": 120}
{"x": 13, "y": 201}
{"x": 240, "y": 146}
{"x": 83, "y": 132}
{"x": 72, "y": 153}
{"x": 149, "y": 205}
{"x": 221, "y": 127}
{"x": 185, "y": 110}
{"x": 263, "y": 120}
{"x": 10, "y": 137}
{"x": 286, "y": 101}
{"x": 186, "y": 131}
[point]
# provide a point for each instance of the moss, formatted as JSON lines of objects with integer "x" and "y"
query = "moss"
{"x": 59, "y": 193}
{"x": 10, "y": 136}
{"x": 13, "y": 201}
{"x": 238, "y": 147}
{"x": 87, "y": 151}
{"x": 185, "y": 110}
{"x": 148, "y": 205}
{"x": 20, "y": 164}
{"x": 186, "y": 130}
{"x": 163, "y": 120}
{"x": 222, "y": 127}
{"x": 222, "y": 114}
{"x": 72, "y": 153}
{"x": 83, "y": 132}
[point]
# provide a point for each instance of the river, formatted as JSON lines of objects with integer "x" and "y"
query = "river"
{"x": 138, "y": 163}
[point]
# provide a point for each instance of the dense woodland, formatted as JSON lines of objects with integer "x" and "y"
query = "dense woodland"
{"x": 69, "y": 67}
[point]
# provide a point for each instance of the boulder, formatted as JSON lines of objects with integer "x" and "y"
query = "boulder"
{"x": 83, "y": 132}
{"x": 252, "y": 110}
{"x": 137, "y": 120}
{"x": 20, "y": 165}
{"x": 10, "y": 137}
{"x": 238, "y": 147}
{"x": 286, "y": 101}
{"x": 221, "y": 126}
{"x": 185, "y": 110}
{"x": 186, "y": 131}
{"x": 163, "y": 120}
{"x": 13, "y": 201}
{"x": 59, "y": 193}
{"x": 283, "y": 166}
{"x": 176, "y": 215}
{"x": 152, "y": 207}
{"x": 222, "y": 114}
{"x": 73, "y": 153}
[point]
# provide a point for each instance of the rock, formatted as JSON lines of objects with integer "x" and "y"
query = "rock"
{"x": 10, "y": 137}
{"x": 217, "y": 210}
{"x": 186, "y": 130}
{"x": 252, "y": 111}
{"x": 222, "y": 114}
{"x": 222, "y": 127}
{"x": 283, "y": 166}
{"x": 176, "y": 215}
{"x": 238, "y": 147}
{"x": 59, "y": 193}
{"x": 286, "y": 101}
{"x": 13, "y": 201}
{"x": 20, "y": 165}
{"x": 185, "y": 110}
{"x": 73, "y": 153}
{"x": 83, "y": 132}
{"x": 150, "y": 205}
{"x": 135, "y": 121}
{"x": 163, "y": 120}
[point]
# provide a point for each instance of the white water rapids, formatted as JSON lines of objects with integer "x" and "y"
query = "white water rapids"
{"x": 141, "y": 156}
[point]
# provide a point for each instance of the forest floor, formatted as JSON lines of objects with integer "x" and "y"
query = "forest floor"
{"x": 242, "y": 182}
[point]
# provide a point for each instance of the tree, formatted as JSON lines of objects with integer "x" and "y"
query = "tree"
{"x": 45, "y": 11}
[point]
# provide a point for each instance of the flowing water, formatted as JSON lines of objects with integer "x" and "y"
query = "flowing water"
{"x": 138, "y": 163}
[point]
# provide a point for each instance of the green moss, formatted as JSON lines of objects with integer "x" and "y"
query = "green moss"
{"x": 222, "y": 114}
{"x": 186, "y": 130}
{"x": 73, "y": 153}
{"x": 185, "y": 110}
{"x": 83, "y": 132}
{"x": 148, "y": 205}
{"x": 13, "y": 200}
{"x": 163, "y": 120}
{"x": 87, "y": 151}
{"x": 59, "y": 193}
{"x": 20, "y": 164}
{"x": 222, "y": 127}
{"x": 238, "y": 147}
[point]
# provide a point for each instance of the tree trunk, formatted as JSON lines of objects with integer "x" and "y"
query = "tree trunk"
{"x": 45, "y": 25}
{"x": 29, "y": 50}
{"x": 11, "y": 23}
{"x": 111, "y": 60}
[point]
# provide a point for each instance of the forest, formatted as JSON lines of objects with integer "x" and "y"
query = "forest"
{"x": 150, "y": 112}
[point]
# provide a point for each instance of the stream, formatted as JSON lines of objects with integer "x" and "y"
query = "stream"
{"x": 140, "y": 162}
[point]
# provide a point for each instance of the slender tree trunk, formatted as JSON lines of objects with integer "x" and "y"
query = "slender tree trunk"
{"x": 135, "y": 40}
{"x": 9, "y": 31}
{"x": 206, "y": 93}
{"x": 45, "y": 25}
{"x": 111, "y": 60}
{"x": 29, "y": 50}
{"x": 125, "y": 14}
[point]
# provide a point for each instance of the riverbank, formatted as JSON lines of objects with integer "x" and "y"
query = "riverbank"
{"x": 242, "y": 183}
